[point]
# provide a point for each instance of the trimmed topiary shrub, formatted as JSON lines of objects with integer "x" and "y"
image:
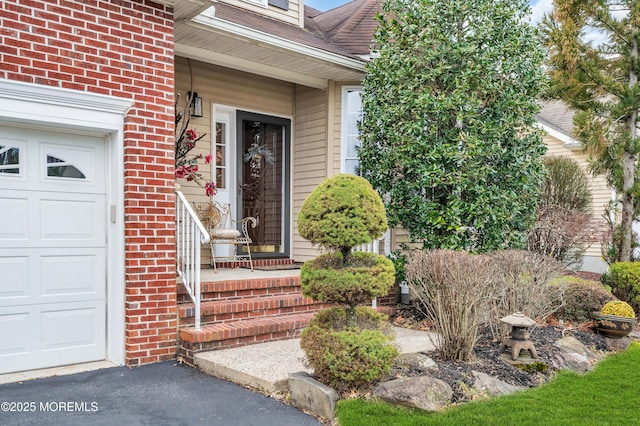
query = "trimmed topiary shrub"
{"x": 619, "y": 308}
{"x": 359, "y": 279}
{"x": 349, "y": 347}
{"x": 344, "y": 211}
{"x": 581, "y": 298}
{"x": 348, "y": 358}
{"x": 624, "y": 279}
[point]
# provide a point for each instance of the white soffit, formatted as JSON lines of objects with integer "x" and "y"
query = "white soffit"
{"x": 207, "y": 21}
{"x": 568, "y": 141}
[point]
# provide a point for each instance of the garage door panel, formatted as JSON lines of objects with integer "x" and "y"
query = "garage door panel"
{"x": 52, "y": 219}
{"x": 40, "y": 336}
{"x": 14, "y": 222}
{"x": 15, "y": 277}
{"x": 52, "y": 275}
{"x": 85, "y": 323}
{"x": 55, "y": 162}
{"x": 73, "y": 275}
{"x": 73, "y": 220}
{"x": 15, "y": 333}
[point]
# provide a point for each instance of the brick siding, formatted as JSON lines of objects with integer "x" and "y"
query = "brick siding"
{"x": 123, "y": 49}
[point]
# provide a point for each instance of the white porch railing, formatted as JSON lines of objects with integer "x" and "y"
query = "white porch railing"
{"x": 190, "y": 235}
{"x": 374, "y": 247}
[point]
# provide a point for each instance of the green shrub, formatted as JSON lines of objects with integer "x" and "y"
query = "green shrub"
{"x": 351, "y": 358}
{"x": 624, "y": 279}
{"x": 619, "y": 308}
{"x": 366, "y": 319}
{"x": 582, "y": 298}
{"x": 342, "y": 212}
{"x": 566, "y": 185}
{"x": 359, "y": 279}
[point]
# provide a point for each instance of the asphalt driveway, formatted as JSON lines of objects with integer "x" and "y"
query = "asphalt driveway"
{"x": 165, "y": 393}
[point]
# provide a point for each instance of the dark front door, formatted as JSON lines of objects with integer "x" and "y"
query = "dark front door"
{"x": 264, "y": 188}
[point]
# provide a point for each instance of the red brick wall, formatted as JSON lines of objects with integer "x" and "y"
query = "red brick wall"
{"x": 125, "y": 49}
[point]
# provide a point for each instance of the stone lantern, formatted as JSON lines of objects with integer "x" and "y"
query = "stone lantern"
{"x": 519, "y": 336}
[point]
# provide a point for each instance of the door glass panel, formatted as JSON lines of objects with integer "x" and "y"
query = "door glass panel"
{"x": 9, "y": 159}
{"x": 263, "y": 184}
{"x": 60, "y": 168}
{"x": 221, "y": 161}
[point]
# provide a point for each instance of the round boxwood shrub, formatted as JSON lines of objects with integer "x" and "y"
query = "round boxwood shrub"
{"x": 351, "y": 358}
{"x": 363, "y": 276}
{"x": 581, "y": 298}
{"x": 342, "y": 212}
{"x": 624, "y": 279}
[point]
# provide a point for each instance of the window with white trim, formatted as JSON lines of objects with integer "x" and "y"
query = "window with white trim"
{"x": 351, "y": 115}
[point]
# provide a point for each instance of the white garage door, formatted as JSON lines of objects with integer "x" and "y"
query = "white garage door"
{"x": 52, "y": 249}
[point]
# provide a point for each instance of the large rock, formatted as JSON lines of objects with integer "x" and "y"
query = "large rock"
{"x": 575, "y": 355}
{"x": 492, "y": 386}
{"x": 424, "y": 392}
{"x": 306, "y": 393}
{"x": 617, "y": 345}
{"x": 416, "y": 360}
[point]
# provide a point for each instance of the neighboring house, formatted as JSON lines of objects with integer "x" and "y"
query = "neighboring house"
{"x": 556, "y": 119}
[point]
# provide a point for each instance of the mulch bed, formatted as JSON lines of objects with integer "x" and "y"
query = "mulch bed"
{"x": 486, "y": 357}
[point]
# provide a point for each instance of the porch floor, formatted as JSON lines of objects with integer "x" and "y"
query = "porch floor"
{"x": 226, "y": 274}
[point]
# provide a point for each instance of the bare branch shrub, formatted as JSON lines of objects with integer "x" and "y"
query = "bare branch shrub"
{"x": 563, "y": 234}
{"x": 453, "y": 289}
{"x": 564, "y": 227}
{"x": 521, "y": 281}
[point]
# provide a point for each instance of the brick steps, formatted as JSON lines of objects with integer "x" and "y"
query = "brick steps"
{"x": 242, "y": 312}
{"x": 219, "y": 290}
{"x": 245, "y": 332}
{"x": 225, "y": 310}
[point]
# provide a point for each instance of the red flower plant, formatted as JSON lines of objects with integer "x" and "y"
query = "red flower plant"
{"x": 187, "y": 166}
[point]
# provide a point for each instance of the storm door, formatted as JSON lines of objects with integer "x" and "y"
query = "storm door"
{"x": 264, "y": 181}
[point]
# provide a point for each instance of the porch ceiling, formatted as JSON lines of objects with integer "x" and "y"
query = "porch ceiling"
{"x": 210, "y": 39}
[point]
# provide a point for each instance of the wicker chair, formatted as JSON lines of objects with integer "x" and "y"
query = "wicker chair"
{"x": 223, "y": 229}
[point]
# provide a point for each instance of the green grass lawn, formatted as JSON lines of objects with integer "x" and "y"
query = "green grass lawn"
{"x": 609, "y": 395}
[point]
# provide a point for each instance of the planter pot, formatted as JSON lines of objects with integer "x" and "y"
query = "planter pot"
{"x": 612, "y": 325}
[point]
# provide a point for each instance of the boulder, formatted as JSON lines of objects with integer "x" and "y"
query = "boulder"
{"x": 492, "y": 386}
{"x": 575, "y": 356}
{"x": 617, "y": 345}
{"x": 416, "y": 360}
{"x": 306, "y": 393}
{"x": 424, "y": 392}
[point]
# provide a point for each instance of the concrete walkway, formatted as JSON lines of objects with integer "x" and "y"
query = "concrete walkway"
{"x": 266, "y": 366}
{"x": 159, "y": 394}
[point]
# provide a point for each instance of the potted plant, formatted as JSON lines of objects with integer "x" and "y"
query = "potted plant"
{"x": 616, "y": 319}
